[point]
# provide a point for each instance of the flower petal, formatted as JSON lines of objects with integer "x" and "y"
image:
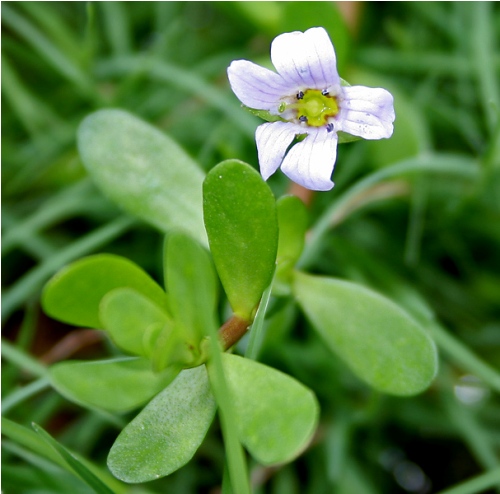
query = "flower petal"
{"x": 256, "y": 86}
{"x": 273, "y": 140}
{"x": 366, "y": 112}
{"x": 308, "y": 59}
{"x": 310, "y": 162}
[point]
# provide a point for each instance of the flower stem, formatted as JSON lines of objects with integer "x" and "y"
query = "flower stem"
{"x": 237, "y": 472}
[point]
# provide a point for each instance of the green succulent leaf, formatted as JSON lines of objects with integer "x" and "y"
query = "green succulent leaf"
{"x": 116, "y": 385}
{"x": 73, "y": 295}
{"x": 192, "y": 285}
{"x": 167, "y": 432}
{"x": 143, "y": 170}
{"x": 276, "y": 415}
{"x": 240, "y": 218}
{"x": 151, "y": 335}
{"x": 379, "y": 341}
{"x": 127, "y": 315}
{"x": 292, "y": 221}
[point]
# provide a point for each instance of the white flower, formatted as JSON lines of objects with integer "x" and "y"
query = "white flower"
{"x": 306, "y": 93}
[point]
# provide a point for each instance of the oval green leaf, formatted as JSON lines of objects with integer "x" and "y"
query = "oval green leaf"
{"x": 276, "y": 415}
{"x": 192, "y": 286}
{"x": 127, "y": 315}
{"x": 379, "y": 341}
{"x": 167, "y": 432}
{"x": 116, "y": 385}
{"x": 73, "y": 295}
{"x": 292, "y": 222}
{"x": 143, "y": 170}
{"x": 240, "y": 218}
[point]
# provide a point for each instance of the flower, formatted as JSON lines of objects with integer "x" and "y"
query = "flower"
{"x": 307, "y": 97}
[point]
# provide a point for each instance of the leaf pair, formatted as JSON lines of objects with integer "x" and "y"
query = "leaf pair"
{"x": 276, "y": 417}
{"x": 164, "y": 332}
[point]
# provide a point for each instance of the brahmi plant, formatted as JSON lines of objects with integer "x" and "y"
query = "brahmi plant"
{"x": 228, "y": 238}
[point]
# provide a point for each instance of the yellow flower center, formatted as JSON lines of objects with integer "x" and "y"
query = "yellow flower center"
{"x": 314, "y": 107}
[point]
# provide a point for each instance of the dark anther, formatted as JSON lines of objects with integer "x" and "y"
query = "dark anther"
{"x": 300, "y": 95}
{"x": 303, "y": 118}
{"x": 329, "y": 127}
{"x": 325, "y": 92}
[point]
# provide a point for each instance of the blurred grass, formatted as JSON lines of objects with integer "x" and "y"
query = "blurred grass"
{"x": 416, "y": 217}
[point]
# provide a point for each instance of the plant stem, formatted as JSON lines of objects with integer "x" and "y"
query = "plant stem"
{"x": 232, "y": 331}
{"x": 235, "y": 456}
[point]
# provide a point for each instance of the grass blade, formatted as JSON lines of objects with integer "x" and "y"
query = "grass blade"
{"x": 34, "y": 279}
{"x": 79, "y": 468}
{"x": 63, "y": 65}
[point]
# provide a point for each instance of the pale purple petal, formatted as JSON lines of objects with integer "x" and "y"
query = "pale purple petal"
{"x": 256, "y": 86}
{"x": 366, "y": 112}
{"x": 272, "y": 141}
{"x": 310, "y": 162}
{"x": 308, "y": 59}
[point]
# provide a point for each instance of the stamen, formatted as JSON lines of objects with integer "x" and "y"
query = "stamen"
{"x": 329, "y": 127}
{"x": 315, "y": 107}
